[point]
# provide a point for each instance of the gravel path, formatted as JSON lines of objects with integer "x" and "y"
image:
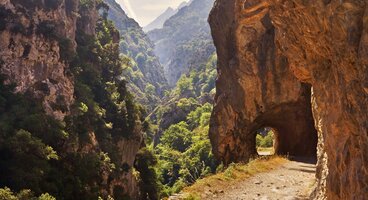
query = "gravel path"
{"x": 292, "y": 181}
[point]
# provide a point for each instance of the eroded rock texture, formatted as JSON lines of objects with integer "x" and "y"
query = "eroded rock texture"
{"x": 30, "y": 52}
{"x": 256, "y": 89}
{"x": 266, "y": 49}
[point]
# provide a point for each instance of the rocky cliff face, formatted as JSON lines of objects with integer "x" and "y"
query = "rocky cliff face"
{"x": 33, "y": 34}
{"x": 266, "y": 49}
{"x": 45, "y": 46}
{"x": 185, "y": 41}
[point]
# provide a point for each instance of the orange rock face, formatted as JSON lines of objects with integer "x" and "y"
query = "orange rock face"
{"x": 270, "y": 55}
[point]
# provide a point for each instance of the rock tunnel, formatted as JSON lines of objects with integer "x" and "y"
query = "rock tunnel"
{"x": 299, "y": 67}
{"x": 293, "y": 126}
{"x": 268, "y": 95}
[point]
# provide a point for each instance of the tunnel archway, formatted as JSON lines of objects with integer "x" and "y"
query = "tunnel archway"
{"x": 293, "y": 127}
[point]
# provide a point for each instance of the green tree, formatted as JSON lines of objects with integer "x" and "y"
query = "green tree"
{"x": 177, "y": 137}
{"x": 145, "y": 163}
{"x": 184, "y": 85}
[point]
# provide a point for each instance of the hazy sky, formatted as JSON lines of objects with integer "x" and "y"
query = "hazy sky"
{"x": 145, "y": 11}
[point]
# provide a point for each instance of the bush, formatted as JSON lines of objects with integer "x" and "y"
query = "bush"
{"x": 7, "y": 194}
{"x": 184, "y": 85}
{"x": 46, "y": 197}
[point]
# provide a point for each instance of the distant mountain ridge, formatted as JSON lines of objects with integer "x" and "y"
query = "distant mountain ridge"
{"x": 160, "y": 20}
{"x": 185, "y": 40}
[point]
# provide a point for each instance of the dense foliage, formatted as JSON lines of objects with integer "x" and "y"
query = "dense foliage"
{"x": 182, "y": 146}
{"x": 7, "y": 194}
{"x": 184, "y": 153}
{"x": 71, "y": 159}
{"x": 43, "y": 159}
{"x": 145, "y": 76}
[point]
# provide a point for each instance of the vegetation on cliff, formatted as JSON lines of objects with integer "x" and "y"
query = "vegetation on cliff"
{"x": 80, "y": 157}
{"x": 181, "y": 124}
{"x": 145, "y": 76}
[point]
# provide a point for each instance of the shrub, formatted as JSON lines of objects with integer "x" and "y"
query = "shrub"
{"x": 184, "y": 85}
{"x": 7, "y": 194}
{"x": 46, "y": 197}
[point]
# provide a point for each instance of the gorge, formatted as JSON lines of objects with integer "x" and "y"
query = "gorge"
{"x": 92, "y": 107}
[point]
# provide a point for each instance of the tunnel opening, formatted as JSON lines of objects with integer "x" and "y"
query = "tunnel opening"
{"x": 265, "y": 141}
{"x": 291, "y": 128}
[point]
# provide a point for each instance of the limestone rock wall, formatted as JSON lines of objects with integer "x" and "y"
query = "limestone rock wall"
{"x": 326, "y": 44}
{"x": 255, "y": 88}
{"x": 31, "y": 34}
{"x": 321, "y": 43}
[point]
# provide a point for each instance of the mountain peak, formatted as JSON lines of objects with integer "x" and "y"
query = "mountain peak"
{"x": 160, "y": 20}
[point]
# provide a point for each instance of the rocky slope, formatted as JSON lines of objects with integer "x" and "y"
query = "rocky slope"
{"x": 145, "y": 67}
{"x": 63, "y": 54}
{"x": 320, "y": 43}
{"x": 184, "y": 41}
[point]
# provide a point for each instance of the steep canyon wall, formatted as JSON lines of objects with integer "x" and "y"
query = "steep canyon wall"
{"x": 270, "y": 54}
{"x": 38, "y": 40}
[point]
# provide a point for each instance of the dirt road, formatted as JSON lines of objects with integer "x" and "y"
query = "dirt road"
{"x": 292, "y": 181}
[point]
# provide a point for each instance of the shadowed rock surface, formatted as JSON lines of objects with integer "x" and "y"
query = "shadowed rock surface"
{"x": 31, "y": 55}
{"x": 266, "y": 49}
